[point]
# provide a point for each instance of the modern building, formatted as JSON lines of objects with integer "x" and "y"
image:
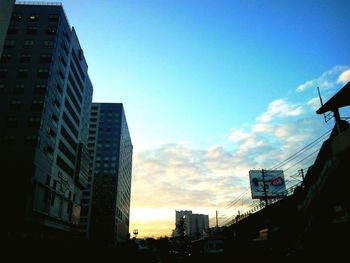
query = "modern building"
{"x": 45, "y": 101}
{"x": 195, "y": 224}
{"x": 5, "y": 14}
{"x": 110, "y": 149}
{"x": 180, "y": 214}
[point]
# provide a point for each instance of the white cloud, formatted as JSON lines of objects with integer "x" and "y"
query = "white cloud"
{"x": 262, "y": 127}
{"x": 176, "y": 176}
{"x": 238, "y": 135}
{"x": 344, "y": 77}
{"x": 327, "y": 80}
{"x": 280, "y": 108}
{"x": 314, "y": 103}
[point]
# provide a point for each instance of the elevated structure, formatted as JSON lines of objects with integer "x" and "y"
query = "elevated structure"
{"x": 314, "y": 221}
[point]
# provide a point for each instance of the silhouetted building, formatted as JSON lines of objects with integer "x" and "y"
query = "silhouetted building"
{"x": 195, "y": 224}
{"x": 5, "y": 15}
{"x": 45, "y": 100}
{"x": 110, "y": 145}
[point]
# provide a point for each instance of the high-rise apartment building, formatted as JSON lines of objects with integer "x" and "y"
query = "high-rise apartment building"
{"x": 45, "y": 101}
{"x": 106, "y": 215}
{"x": 195, "y": 224}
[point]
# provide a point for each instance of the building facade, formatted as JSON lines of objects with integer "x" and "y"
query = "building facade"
{"x": 110, "y": 146}
{"x": 5, "y": 14}
{"x": 195, "y": 224}
{"x": 45, "y": 101}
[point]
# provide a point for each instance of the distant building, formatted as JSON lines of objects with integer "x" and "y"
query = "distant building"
{"x": 195, "y": 224}
{"x": 111, "y": 148}
{"x": 180, "y": 214}
{"x": 5, "y": 15}
{"x": 45, "y": 100}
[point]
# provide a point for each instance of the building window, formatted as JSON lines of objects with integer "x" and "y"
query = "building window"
{"x": 16, "y": 17}
{"x": 69, "y": 208}
{"x": 54, "y": 117}
{"x": 48, "y": 44}
{"x": 65, "y": 48}
{"x": 48, "y": 180}
{"x": 3, "y": 73}
{"x": 12, "y": 30}
{"x": 31, "y": 138}
{"x": 37, "y": 105}
{"x": 63, "y": 61}
{"x": 28, "y": 44}
{"x": 34, "y": 122}
{"x": 66, "y": 36}
{"x": 12, "y": 122}
{"x": 25, "y": 58}
{"x": 45, "y": 58}
{"x": 34, "y": 18}
{"x": 40, "y": 89}
{"x": 49, "y": 150}
{"x": 65, "y": 150}
{"x": 43, "y": 73}
{"x": 59, "y": 88}
{"x": 52, "y": 199}
{"x": 15, "y": 105}
{"x": 61, "y": 74}
{"x": 8, "y": 140}
{"x": 64, "y": 166}
{"x": 51, "y": 30}
{"x": 51, "y": 132}
{"x": 6, "y": 57}
{"x": 9, "y": 43}
{"x": 32, "y": 30}
{"x": 22, "y": 73}
{"x": 56, "y": 103}
{"x": 18, "y": 89}
{"x": 53, "y": 17}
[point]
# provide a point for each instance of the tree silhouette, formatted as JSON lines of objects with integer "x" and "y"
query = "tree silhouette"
{"x": 181, "y": 241}
{"x": 181, "y": 227}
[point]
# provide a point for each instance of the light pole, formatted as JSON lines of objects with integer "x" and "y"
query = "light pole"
{"x": 135, "y": 232}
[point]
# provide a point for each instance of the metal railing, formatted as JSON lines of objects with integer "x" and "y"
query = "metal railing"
{"x": 253, "y": 207}
{"x": 37, "y": 3}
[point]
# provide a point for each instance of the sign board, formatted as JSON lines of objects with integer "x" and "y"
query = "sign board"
{"x": 76, "y": 214}
{"x": 274, "y": 184}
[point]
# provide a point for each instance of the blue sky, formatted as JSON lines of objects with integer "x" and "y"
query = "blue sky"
{"x": 207, "y": 83}
{"x": 179, "y": 63}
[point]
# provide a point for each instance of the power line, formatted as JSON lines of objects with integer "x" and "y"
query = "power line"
{"x": 233, "y": 204}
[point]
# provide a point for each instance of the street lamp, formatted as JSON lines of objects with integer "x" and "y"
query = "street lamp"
{"x": 135, "y": 232}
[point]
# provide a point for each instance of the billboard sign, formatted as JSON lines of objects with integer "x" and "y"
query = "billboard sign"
{"x": 76, "y": 214}
{"x": 274, "y": 184}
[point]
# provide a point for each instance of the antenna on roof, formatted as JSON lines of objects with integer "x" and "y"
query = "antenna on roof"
{"x": 328, "y": 116}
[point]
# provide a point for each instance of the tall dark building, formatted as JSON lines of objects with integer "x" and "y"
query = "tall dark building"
{"x": 111, "y": 149}
{"x": 5, "y": 14}
{"x": 45, "y": 101}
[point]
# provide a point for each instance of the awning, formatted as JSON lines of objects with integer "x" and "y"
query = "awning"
{"x": 340, "y": 99}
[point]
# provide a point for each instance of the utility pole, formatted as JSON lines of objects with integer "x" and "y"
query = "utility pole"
{"x": 265, "y": 193}
{"x": 217, "y": 220}
{"x": 301, "y": 172}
